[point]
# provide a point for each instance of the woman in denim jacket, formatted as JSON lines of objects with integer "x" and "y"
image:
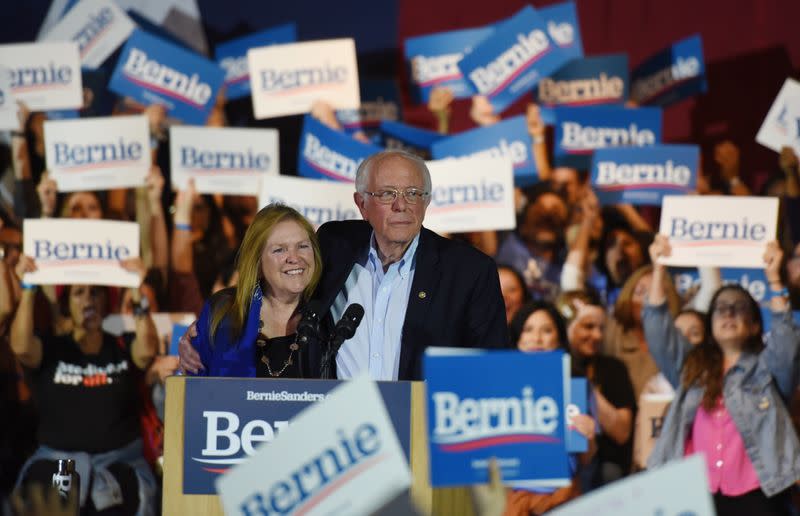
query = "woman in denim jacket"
{"x": 732, "y": 391}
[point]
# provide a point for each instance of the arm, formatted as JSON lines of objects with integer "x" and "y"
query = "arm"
{"x": 25, "y": 345}
{"x": 158, "y": 225}
{"x": 482, "y": 112}
{"x": 788, "y": 163}
{"x": 572, "y": 274}
{"x": 634, "y": 218}
{"x": 710, "y": 281}
{"x": 726, "y": 154}
{"x": 6, "y": 296}
{"x": 617, "y": 423}
{"x": 145, "y": 345}
{"x": 439, "y": 104}
{"x": 182, "y": 237}
{"x": 667, "y": 345}
{"x": 781, "y": 355}
{"x": 536, "y": 129}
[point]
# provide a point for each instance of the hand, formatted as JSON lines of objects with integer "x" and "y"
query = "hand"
{"x": 46, "y": 190}
{"x": 726, "y": 155}
{"x": 490, "y": 499}
{"x": 324, "y": 112}
{"x": 536, "y": 126}
{"x": 590, "y": 206}
{"x": 135, "y": 264}
{"x": 773, "y": 257}
{"x": 154, "y": 184}
{"x": 24, "y": 266}
{"x": 482, "y": 112}
{"x": 184, "y": 201}
{"x": 23, "y": 114}
{"x": 585, "y": 425}
{"x": 156, "y": 119}
{"x": 659, "y": 248}
{"x": 165, "y": 366}
{"x": 440, "y": 100}
{"x": 44, "y": 500}
{"x": 788, "y": 161}
{"x": 189, "y": 357}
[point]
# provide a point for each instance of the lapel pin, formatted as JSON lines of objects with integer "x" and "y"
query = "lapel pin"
{"x": 422, "y": 294}
{"x": 764, "y": 405}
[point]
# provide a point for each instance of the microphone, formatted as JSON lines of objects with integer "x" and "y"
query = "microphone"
{"x": 308, "y": 327}
{"x": 345, "y": 329}
{"x": 347, "y": 325}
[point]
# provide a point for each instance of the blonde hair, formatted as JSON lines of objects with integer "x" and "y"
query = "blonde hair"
{"x": 248, "y": 265}
{"x": 623, "y": 308}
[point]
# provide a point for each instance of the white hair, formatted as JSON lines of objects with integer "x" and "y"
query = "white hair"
{"x": 372, "y": 162}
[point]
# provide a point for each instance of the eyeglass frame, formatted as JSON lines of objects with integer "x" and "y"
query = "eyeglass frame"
{"x": 424, "y": 196}
{"x": 736, "y": 309}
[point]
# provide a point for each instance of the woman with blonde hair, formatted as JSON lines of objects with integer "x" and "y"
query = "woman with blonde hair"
{"x": 250, "y": 330}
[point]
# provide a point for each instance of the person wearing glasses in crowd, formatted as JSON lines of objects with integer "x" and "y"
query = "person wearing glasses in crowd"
{"x": 417, "y": 288}
{"x": 732, "y": 391}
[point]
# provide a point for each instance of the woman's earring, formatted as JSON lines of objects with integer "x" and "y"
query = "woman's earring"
{"x": 257, "y": 289}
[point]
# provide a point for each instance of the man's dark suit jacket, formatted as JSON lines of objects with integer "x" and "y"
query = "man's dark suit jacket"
{"x": 455, "y": 298}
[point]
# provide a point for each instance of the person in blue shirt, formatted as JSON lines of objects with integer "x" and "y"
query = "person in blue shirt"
{"x": 250, "y": 330}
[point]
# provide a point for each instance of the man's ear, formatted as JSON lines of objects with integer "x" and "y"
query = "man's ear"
{"x": 360, "y": 201}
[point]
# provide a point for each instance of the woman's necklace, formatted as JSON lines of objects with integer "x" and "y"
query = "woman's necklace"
{"x": 261, "y": 342}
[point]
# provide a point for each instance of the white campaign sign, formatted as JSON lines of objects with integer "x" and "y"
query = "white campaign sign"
{"x": 80, "y": 251}
{"x": 287, "y": 79}
{"x": 222, "y": 160}
{"x": 677, "y": 488}
{"x": 98, "y": 153}
{"x": 319, "y": 201}
{"x": 718, "y": 231}
{"x": 99, "y": 27}
{"x": 45, "y": 76}
{"x": 471, "y": 194}
{"x": 8, "y": 103}
{"x": 781, "y": 127}
{"x": 339, "y": 456}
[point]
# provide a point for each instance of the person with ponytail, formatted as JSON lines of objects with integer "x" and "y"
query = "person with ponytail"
{"x": 250, "y": 330}
{"x": 732, "y": 391}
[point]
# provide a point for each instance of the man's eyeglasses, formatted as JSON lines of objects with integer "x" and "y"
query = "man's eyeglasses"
{"x": 740, "y": 308}
{"x": 389, "y": 195}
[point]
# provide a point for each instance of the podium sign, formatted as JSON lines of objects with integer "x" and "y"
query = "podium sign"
{"x": 227, "y": 419}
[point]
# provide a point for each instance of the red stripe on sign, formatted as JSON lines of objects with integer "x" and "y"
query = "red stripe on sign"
{"x": 523, "y": 68}
{"x": 498, "y": 440}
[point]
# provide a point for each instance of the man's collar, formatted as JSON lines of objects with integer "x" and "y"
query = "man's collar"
{"x": 404, "y": 263}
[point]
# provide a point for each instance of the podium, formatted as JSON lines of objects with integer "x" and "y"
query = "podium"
{"x": 177, "y": 502}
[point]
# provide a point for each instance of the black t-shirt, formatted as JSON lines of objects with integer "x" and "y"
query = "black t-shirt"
{"x": 611, "y": 378}
{"x": 85, "y": 402}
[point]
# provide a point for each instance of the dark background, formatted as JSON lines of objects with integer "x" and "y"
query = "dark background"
{"x": 750, "y": 47}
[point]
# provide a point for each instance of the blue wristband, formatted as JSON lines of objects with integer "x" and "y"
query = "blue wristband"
{"x": 183, "y": 227}
{"x": 28, "y": 286}
{"x": 784, "y": 292}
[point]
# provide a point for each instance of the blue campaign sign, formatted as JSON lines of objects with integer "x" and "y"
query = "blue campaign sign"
{"x": 687, "y": 279}
{"x": 586, "y": 81}
{"x": 673, "y": 74}
{"x": 153, "y": 71}
{"x": 232, "y": 56}
{"x": 177, "y": 332}
{"x": 400, "y": 136}
{"x": 579, "y": 404}
{"x": 563, "y": 27}
{"x": 509, "y": 63}
{"x": 582, "y": 130}
{"x": 325, "y": 153}
{"x": 518, "y": 417}
{"x": 433, "y": 60}
{"x": 644, "y": 175}
{"x": 226, "y": 419}
{"x": 380, "y": 100}
{"x": 508, "y": 138}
